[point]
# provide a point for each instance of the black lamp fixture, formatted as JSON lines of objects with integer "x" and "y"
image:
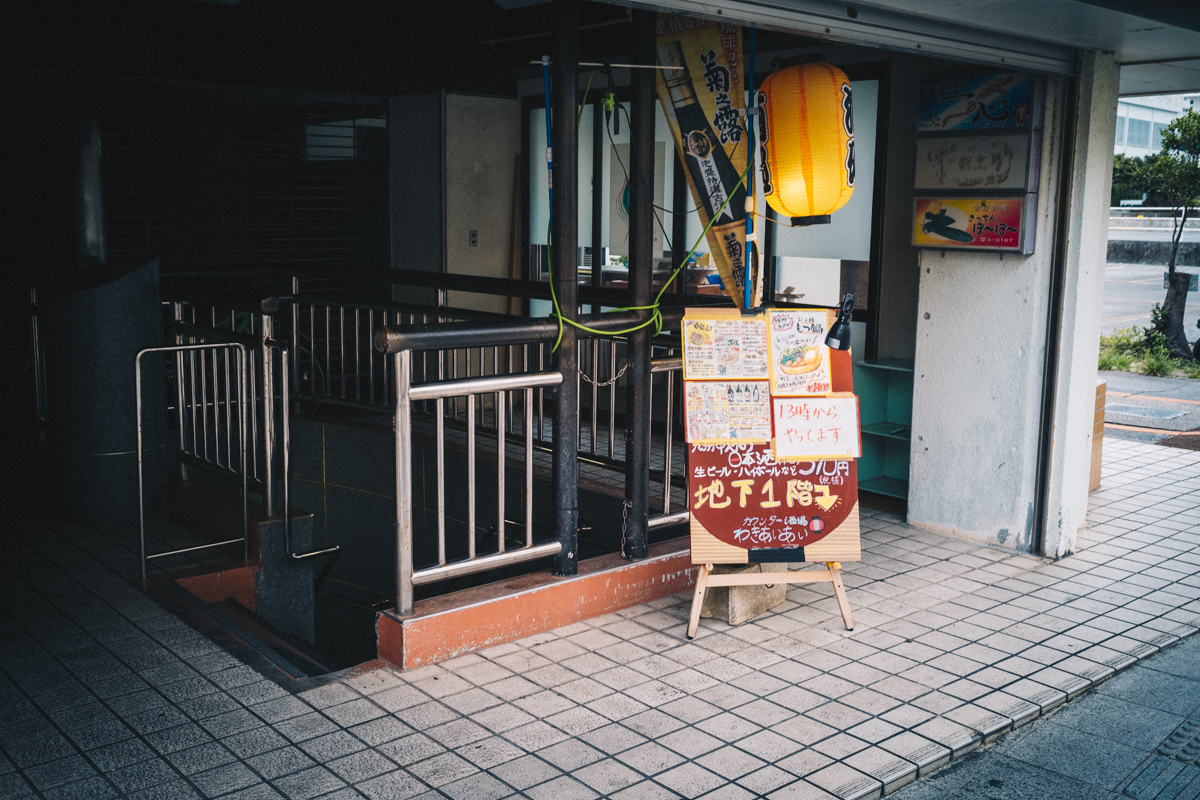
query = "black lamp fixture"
{"x": 838, "y": 337}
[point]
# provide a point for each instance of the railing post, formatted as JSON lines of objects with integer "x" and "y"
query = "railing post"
{"x": 294, "y": 351}
{"x": 565, "y": 255}
{"x": 180, "y": 392}
{"x": 38, "y": 362}
{"x": 267, "y": 329}
{"x": 641, "y": 277}
{"x": 404, "y": 524}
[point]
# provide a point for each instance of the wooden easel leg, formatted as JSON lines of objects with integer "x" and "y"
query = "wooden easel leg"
{"x": 698, "y": 599}
{"x": 835, "y": 576}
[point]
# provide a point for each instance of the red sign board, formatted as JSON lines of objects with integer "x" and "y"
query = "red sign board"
{"x": 969, "y": 223}
{"x": 747, "y": 507}
{"x": 744, "y": 499}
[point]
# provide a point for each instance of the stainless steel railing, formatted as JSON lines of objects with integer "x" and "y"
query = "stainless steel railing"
{"x": 463, "y": 403}
{"x": 195, "y": 322}
{"x": 502, "y": 388}
{"x": 200, "y": 399}
{"x": 263, "y": 411}
{"x": 333, "y": 361}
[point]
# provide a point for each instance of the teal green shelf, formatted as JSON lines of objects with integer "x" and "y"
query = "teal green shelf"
{"x": 884, "y": 388}
{"x": 891, "y": 430}
{"x": 897, "y": 364}
{"x": 890, "y": 487}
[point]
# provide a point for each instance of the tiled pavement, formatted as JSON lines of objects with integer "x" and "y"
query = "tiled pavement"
{"x": 1133, "y": 736}
{"x": 104, "y": 693}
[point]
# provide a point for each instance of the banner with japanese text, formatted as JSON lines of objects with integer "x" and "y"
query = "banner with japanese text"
{"x": 703, "y": 99}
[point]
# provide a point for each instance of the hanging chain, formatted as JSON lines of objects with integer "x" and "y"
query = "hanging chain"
{"x": 610, "y": 381}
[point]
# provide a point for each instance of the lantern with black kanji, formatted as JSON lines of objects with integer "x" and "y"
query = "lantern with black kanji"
{"x": 806, "y": 140}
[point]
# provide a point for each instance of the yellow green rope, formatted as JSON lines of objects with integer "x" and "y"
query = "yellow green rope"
{"x": 656, "y": 317}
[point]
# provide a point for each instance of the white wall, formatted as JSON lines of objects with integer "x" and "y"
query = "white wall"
{"x": 981, "y": 334}
{"x": 539, "y": 197}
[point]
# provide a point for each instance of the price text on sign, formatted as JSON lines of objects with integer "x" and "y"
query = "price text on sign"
{"x": 816, "y": 427}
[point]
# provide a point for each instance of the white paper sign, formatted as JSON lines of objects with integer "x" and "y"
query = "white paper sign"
{"x": 816, "y": 428}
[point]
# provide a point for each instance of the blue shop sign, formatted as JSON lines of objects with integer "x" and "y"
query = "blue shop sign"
{"x": 976, "y": 102}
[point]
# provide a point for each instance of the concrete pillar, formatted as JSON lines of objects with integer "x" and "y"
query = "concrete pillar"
{"x": 1078, "y": 332}
{"x": 980, "y": 362}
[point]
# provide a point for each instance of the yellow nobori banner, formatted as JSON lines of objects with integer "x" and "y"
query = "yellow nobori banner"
{"x": 704, "y": 103}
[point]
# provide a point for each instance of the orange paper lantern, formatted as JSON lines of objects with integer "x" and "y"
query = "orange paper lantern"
{"x": 806, "y": 140}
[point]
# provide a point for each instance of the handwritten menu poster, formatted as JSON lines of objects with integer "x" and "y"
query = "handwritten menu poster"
{"x": 723, "y": 344}
{"x": 808, "y": 428}
{"x": 771, "y": 472}
{"x": 721, "y": 412}
{"x": 799, "y": 357}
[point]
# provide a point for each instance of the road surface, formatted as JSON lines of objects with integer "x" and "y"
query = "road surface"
{"x": 1131, "y": 290}
{"x": 1189, "y": 235}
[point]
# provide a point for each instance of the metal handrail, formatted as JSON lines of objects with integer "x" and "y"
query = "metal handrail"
{"x": 432, "y": 352}
{"x": 520, "y": 330}
{"x": 406, "y": 577}
{"x": 243, "y": 405}
{"x": 285, "y": 451}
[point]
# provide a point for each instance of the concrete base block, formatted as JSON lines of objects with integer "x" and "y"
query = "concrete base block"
{"x": 283, "y": 587}
{"x": 736, "y": 604}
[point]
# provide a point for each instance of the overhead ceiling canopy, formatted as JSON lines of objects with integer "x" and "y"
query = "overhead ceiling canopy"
{"x": 390, "y": 47}
{"x": 1156, "y": 42}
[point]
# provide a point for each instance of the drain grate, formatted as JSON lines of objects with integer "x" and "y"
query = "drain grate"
{"x": 1183, "y": 744}
{"x": 1144, "y": 411}
{"x": 1161, "y": 778}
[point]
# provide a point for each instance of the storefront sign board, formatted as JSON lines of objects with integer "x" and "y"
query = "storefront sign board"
{"x": 976, "y": 102}
{"x": 972, "y": 223}
{"x": 989, "y": 163}
{"x": 747, "y": 506}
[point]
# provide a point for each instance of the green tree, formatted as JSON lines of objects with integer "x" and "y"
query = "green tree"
{"x": 1125, "y": 183}
{"x": 1175, "y": 175}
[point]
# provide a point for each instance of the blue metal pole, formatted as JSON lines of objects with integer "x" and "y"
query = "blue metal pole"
{"x": 751, "y": 192}
{"x": 549, "y": 148}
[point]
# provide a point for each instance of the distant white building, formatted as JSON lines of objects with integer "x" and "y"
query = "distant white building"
{"x": 1140, "y": 121}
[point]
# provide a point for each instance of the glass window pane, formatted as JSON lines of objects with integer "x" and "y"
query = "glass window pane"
{"x": 1139, "y": 133}
{"x": 1156, "y": 142}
